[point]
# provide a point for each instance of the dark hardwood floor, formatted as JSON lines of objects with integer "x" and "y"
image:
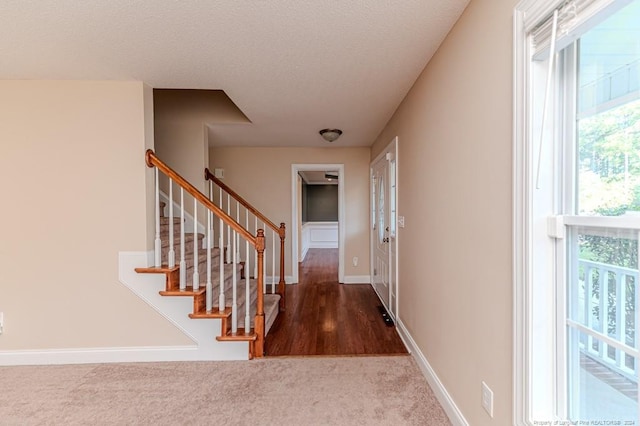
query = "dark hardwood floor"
{"x": 324, "y": 317}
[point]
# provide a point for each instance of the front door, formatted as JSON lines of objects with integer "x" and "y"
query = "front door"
{"x": 383, "y": 230}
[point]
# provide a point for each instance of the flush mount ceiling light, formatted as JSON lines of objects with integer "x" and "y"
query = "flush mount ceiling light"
{"x": 330, "y": 176}
{"x": 330, "y": 135}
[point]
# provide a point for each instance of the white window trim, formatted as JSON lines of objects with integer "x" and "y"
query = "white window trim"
{"x": 522, "y": 192}
{"x": 521, "y": 230}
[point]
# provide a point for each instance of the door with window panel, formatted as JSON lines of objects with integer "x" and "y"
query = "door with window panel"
{"x": 380, "y": 235}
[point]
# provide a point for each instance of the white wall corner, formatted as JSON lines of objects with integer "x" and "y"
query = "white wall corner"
{"x": 445, "y": 399}
{"x": 176, "y": 310}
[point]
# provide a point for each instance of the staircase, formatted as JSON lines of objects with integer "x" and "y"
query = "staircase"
{"x": 215, "y": 270}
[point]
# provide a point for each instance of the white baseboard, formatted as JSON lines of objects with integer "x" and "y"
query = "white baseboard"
{"x": 288, "y": 279}
{"x": 174, "y": 309}
{"x": 447, "y": 402}
{"x": 323, "y": 244}
{"x": 97, "y": 355}
{"x": 357, "y": 279}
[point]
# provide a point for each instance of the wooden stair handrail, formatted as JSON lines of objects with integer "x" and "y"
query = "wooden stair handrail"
{"x": 152, "y": 160}
{"x": 209, "y": 176}
{"x": 281, "y": 230}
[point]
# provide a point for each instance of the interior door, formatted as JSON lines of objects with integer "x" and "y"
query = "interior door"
{"x": 380, "y": 230}
{"x": 393, "y": 232}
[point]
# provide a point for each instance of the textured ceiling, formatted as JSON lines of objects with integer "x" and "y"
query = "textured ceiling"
{"x": 292, "y": 67}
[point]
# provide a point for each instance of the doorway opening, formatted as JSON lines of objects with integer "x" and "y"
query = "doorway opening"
{"x": 336, "y": 173}
{"x": 324, "y": 316}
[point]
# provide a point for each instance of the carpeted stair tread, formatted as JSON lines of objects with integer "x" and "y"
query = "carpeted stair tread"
{"x": 188, "y": 240}
{"x": 189, "y": 252}
{"x": 271, "y": 309}
{"x": 215, "y": 274}
{"x": 165, "y": 221}
{"x": 271, "y": 301}
{"x": 228, "y": 284}
{"x": 228, "y": 293}
{"x": 202, "y": 259}
{"x": 164, "y": 230}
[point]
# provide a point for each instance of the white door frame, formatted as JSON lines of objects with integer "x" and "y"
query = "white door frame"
{"x": 391, "y": 147}
{"x": 295, "y": 168}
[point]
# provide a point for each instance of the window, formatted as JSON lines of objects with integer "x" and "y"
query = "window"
{"x": 392, "y": 199}
{"x": 373, "y": 204}
{"x": 381, "y": 207}
{"x": 577, "y": 211}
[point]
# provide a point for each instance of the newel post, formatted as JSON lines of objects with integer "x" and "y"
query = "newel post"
{"x": 259, "y": 321}
{"x": 281, "y": 285}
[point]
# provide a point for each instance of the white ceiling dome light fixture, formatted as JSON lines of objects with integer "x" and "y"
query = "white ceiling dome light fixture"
{"x": 330, "y": 135}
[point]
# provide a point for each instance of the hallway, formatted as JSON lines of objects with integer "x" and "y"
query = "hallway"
{"x": 324, "y": 317}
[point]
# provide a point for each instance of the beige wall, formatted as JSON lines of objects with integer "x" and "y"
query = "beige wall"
{"x": 263, "y": 177}
{"x": 181, "y": 133}
{"x": 454, "y": 190}
{"x": 74, "y": 185}
{"x": 181, "y": 146}
{"x": 149, "y": 172}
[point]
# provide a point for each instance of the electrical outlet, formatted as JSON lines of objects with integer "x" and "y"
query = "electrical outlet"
{"x": 355, "y": 260}
{"x": 487, "y": 399}
{"x": 1, "y": 322}
{"x": 401, "y": 221}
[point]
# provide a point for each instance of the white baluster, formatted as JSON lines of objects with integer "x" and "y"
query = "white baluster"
{"x": 220, "y": 228}
{"x": 157, "y": 242}
{"x": 264, "y": 269}
{"x": 234, "y": 306}
{"x": 588, "y": 311}
{"x": 210, "y": 216}
{"x": 228, "y": 229}
{"x": 247, "y": 285}
{"x": 171, "y": 256}
{"x": 221, "y": 301}
{"x": 220, "y": 220}
{"x": 273, "y": 262}
{"x": 621, "y": 297}
{"x": 255, "y": 254}
{"x": 636, "y": 317}
{"x": 238, "y": 235}
{"x": 196, "y": 274}
{"x": 604, "y": 304}
{"x": 209, "y": 298}
{"x": 183, "y": 263}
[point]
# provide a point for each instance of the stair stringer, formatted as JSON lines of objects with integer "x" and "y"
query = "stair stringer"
{"x": 176, "y": 310}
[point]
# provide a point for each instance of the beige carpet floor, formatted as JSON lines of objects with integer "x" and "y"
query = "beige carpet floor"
{"x": 384, "y": 390}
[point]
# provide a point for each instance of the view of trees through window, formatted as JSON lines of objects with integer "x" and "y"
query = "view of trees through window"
{"x": 608, "y": 161}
